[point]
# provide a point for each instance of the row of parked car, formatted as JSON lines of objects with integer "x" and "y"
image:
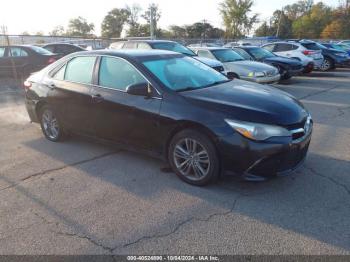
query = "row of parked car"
{"x": 268, "y": 63}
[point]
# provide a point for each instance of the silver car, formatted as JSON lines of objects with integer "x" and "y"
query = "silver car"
{"x": 170, "y": 46}
{"x": 237, "y": 67}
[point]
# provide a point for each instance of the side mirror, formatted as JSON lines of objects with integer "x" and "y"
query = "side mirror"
{"x": 140, "y": 89}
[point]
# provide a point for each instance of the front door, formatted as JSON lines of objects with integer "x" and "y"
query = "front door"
{"x": 119, "y": 116}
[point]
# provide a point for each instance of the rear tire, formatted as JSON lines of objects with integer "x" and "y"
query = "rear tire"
{"x": 51, "y": 125}
{"x": 194, "y": 158}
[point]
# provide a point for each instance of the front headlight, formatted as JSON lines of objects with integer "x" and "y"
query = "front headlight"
{"x": 256, "y": 74}
{"x": 256, "y": 131}
{"x": 259, "y": 74}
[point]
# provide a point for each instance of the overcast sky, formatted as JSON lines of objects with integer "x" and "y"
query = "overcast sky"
{"x": 43, "y": 15}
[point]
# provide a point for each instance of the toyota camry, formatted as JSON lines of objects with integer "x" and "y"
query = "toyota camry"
{"x": 174, "y": 107}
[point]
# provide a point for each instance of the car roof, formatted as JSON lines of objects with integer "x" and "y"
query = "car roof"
{"x": 61, "y": 44}
{"x": 149, "y": 41}
{"x": 131, "y": 53}
{"x": 211, "y": 48}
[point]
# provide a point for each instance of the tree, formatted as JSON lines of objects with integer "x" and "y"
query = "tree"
{"x": 113, "y": 23}
{"x": 236, "y": 18}
{"x": 133, "y": 18}
{"x": 298, "y": 9}
{"x": 312, "y": 24}
{"x": 57, "y": 31}
{"x": 80, "y": 27}
{"x": 177, "y": 31}
{"x": 263, "y": 30}
{"x": 333, "y": 30}
{"x": 156, "y": 15}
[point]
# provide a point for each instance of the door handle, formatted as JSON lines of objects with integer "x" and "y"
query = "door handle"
{"x": 97, "y": 98}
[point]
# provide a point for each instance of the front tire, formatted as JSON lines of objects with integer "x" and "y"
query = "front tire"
{"x": 327, "y": 64}
{"x": 51, "y": 125}
{"x": 194, "y": 158}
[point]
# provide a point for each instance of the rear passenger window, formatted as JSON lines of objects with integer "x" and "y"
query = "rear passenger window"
{"x": 205, "y": 53}
{"x": 59, "y": 75}
{"x": 130, "y": 45}
{"x": 269, "y": 47}
{"x": 284, "y": 47}
{"x": 80, "y": 70}
{"x": 118, "y": 74}
{"x": 17, "y": 52}
{"x": 143, "y": 46}
{"x": 2, "y": 51}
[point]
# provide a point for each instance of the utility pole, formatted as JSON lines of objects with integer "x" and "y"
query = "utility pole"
{"x": 152, "y": 18}
{"x": 279, "y": 24}
{"x": 204, "y": 29}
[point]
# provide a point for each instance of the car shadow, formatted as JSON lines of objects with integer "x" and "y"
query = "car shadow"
{"x": 307, "y": 202}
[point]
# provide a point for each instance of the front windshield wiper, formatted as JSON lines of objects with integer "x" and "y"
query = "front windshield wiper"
{"x": 218, "y": 83}
{"x": 190, "y": 88}
{"x": 186, "y": 89}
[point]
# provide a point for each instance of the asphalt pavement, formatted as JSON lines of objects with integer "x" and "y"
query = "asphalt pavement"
{"x": 81, "y": 197}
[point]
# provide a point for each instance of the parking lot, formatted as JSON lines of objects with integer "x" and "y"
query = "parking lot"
{"x": 80, "y": 197}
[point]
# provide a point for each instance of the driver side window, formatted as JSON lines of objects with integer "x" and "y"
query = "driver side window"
{"x": 118, "y": 74}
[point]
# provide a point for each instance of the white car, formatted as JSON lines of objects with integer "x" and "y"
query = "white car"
{"x": 309, "y": 58}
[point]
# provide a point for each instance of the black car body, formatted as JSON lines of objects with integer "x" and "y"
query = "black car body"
{"x": 143, "y": 100}
{"x": 23, "y": 59}
{"x": 287, "y": 67}
{"x": 62, "y": 49}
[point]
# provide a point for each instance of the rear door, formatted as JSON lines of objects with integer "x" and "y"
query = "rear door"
{"x": 122, "y": 117}
{"x": 70, "y": 93}
{"x": 284, "y": 49}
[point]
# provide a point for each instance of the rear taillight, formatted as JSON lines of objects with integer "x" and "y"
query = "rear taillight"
{"x": 27, "y": 85}
{"x": 307, "y": 52}
{"x": 51, "y": 60}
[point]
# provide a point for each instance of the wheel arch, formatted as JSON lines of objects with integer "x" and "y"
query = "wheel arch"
{"x": 183, "y": 125}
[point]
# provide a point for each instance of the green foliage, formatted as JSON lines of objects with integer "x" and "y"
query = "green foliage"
{"x": 113, "y": 23}
{"x": 305, "y": 20}
{"x": 80, "y": 27}
{"x": 57, "y": 31}
{"x": 236, "y": 17}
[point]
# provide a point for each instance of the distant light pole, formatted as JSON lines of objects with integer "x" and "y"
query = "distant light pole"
{"x": 152, "y": 22}
{"x": 279, "y": 23}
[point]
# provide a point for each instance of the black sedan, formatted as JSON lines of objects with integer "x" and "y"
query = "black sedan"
{"x": 174, "y": 107}
{"x": 23, "y": 59}
{"x": 287, "y": 67}
{"x": 62, "y": 49}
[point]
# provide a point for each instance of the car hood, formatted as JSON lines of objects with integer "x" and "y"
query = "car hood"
{"x": 284, "y": 60}
{"x": 245, "y": 101}
{"x": 248, "y": 66}
{"x": 208, "y": 61}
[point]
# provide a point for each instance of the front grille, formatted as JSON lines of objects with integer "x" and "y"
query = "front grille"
{"x": 301, "y": 129}
{"x": 219, "y": 68}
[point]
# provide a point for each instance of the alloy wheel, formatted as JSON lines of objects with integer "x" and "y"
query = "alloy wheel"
{"x": 191, "y": 159}
{"x": 50, "y": 124}
{"x": 326, "y": 65}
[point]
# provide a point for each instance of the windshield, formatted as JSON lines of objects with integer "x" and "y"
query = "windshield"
{"x": 41, "y": 50}
{"x": 184, "y": 73}
{"x": 243, "y": 54}
{"x": 260, "y": 53}
{"x": 175, "y": 47}
{"x": 226, "y": 55}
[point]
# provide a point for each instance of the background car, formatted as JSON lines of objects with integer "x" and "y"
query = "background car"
{"x": 62, "y": 50}
{"x": 347, "y": 42}
{"x": 237, "y": 67}
{"x": 340, "y": 47}
{"x": 309, "y": 58}
{"x": 175, "y": 107}
{"x": 167, "y": 45}
{"x": 332, "y": 57}
{"x": 23, "y": 59}
{"x": 287, "y": 67}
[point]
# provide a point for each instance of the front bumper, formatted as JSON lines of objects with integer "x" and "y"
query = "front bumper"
{"x": 262, "y": 160}
{"x": 263, "y": 80}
